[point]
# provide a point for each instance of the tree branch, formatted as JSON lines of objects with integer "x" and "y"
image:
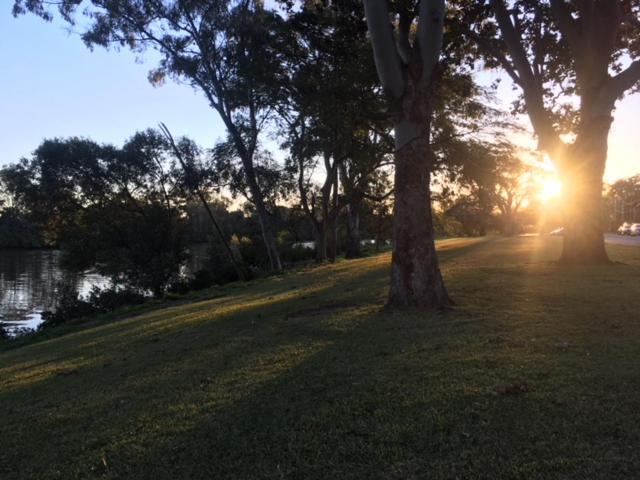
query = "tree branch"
{"x": 430, "y": 29}
{"x": 625, "y": 79}
{"x": 384, "y": 47}
{"x": 569, "y": 27}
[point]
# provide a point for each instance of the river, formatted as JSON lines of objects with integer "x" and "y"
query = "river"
{"x": 28, "y": 286}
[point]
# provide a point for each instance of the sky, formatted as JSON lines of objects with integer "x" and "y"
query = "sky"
{"x": 51, "y": 85}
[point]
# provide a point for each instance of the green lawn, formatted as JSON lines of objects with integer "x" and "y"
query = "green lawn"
{"x": 534, "y": 375}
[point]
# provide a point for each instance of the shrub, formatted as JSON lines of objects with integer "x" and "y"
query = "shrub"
{"x": 202, "y": 279}
{"x": 69, "y": 305}
{"x": 111, "y": 299}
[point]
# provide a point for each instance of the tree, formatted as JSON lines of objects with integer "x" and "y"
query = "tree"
{"x": 406, "y": 70}
{"x": 330, "y": 100}
{"x": 495, "y": 180}
{"x": 571, "y": 60}
{"x": 119, "y": 210}
{"x": 624, "y": 201}
{"x": 225, "y": 48}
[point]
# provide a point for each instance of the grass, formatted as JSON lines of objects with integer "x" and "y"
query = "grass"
{"x": 534, "y": 374}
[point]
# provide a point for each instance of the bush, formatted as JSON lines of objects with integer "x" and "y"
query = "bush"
{"x": 69, "y": 305}
{"x": 202, "y": 279}
{"x": 299, "y": 253}
{"x": 111, "y": 299}
{"x": 3, "y": 333}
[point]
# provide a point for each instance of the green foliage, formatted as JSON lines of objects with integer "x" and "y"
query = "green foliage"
{"x": 69, "y": 306}
{"x": 16, "y": 231}
{"x": 121, "y": 211}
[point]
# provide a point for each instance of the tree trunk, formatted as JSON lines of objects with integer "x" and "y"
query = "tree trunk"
{"x": 267, "y": 234}
{"x": 416, "y": 280}
{"x": 332, "y": 224}
{"x": 320, "y": 235}
{"x": 353, "y": 229}
{"x": 263, "y": 217}
{"x": 415, "y": 275}
{"x": 332, "y": 240}
{"x": 582, "y": 195}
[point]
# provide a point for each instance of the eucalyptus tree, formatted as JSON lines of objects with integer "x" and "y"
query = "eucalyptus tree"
{"x": 406, "y": 69}
{"x": 572, "y": 61}
{"x": 366, "y": 177}
{"x": 332, "y": 102}
{"x": 227, "y": 49}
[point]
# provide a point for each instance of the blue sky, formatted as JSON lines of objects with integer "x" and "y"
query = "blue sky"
{"x": 53, "y": 86}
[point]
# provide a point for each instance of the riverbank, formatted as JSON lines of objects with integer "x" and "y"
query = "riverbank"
{"x": 532, "y": 375}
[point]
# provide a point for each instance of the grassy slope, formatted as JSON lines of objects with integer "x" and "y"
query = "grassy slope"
{"x": 535, "y": 374}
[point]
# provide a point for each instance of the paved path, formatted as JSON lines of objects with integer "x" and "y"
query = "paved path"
{"x": 622, "y": 240}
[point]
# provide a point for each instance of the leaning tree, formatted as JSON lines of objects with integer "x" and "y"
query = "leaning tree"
{"x": 406, "y": 60}
{"x": 227, "y": 49}
{"x": 571, "y": 60}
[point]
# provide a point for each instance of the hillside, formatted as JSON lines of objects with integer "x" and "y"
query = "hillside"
{"x": 534, "y": 374}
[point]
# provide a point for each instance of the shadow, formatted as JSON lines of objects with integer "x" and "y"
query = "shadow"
{"x": 306, "y": 378}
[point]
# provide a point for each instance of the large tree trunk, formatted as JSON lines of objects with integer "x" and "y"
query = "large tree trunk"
{"x": 415, "y": 275}
{"x": 582, "y": 195}
{"x": 353, "y": 229}
{"x": 416, "y": 280}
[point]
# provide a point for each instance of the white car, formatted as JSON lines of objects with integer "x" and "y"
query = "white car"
{"x": 624, "y": 229}
{"x": 634, "y": 231}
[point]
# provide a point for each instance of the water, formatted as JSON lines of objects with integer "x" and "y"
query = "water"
{"x": 28, "y": 283}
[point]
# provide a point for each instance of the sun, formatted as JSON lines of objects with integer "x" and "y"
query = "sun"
{"x": 550, "y": 188}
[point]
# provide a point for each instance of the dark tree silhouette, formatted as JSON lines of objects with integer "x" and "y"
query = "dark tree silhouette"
{"x": 226, "y": 48}
{"x": 560, "y": 54}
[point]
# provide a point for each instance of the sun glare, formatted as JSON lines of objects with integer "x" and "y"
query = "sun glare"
{"x": 550, "y": 189}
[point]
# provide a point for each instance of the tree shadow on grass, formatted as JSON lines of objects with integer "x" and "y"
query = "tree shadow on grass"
{"x": 315, "y": 387}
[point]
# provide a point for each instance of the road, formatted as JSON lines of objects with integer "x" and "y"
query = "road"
{"x": 620, "y": 240}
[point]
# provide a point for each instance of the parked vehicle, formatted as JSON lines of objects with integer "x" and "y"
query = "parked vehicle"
{"x": 624, "y": 229}
{"x": 558, "y": 232}
{"x": 635, "y": 230}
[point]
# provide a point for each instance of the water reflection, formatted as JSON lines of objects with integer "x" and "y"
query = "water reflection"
{"x": 28, "y": 283}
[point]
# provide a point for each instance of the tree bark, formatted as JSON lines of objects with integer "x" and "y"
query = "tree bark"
{"x": 320, "y": 235}
{"x": 416, "y": 280}
{"x": 353, "y": 229}
{"x": 581, "y": 179}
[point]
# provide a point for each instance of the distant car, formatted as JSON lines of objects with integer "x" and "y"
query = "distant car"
{"x": 634, "y": 231}
{"x": 557, "y": 232}
{"x": 624, "y": 229}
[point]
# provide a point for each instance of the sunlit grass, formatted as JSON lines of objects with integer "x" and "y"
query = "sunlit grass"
{"x": 532, "y": 375}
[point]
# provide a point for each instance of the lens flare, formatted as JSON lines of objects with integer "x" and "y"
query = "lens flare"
{"x": 550, "y": 189}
